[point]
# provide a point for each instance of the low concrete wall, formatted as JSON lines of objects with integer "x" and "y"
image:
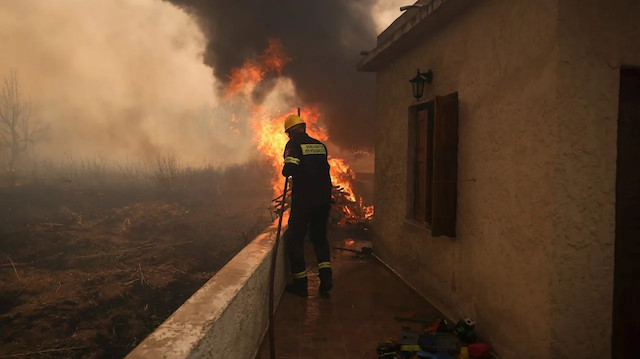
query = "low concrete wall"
{"x": 228, "y": 316}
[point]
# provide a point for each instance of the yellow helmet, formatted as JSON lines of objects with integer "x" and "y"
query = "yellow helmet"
{"x": 291, "y": 121}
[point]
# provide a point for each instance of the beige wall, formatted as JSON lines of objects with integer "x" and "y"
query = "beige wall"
{"x": 532, "y": 261}
{"x": 596, "y": 38}
{"x": 501, "y": 57}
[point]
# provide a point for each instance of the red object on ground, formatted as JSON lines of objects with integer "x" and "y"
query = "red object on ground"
{"x": 478, "y": 349}
{"x": 434, "y": 327}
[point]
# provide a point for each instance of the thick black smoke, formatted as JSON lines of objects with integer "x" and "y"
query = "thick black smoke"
{"x": 324, "y": 39}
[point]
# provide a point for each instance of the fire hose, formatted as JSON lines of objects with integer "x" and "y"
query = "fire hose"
{"x": 274, "y": 256}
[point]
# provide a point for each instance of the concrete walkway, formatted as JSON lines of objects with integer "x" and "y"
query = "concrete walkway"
{"x": 357, "y": 315}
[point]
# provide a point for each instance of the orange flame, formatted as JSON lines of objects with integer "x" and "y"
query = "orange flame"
{"x": 267, "y": 123}
{"x": 342, "y": 175}
{"x": 245, "y": 78}
{"x": 367, "y": 210}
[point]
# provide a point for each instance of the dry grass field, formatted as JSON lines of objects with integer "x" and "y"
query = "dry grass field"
{"x": 92, "y": 262}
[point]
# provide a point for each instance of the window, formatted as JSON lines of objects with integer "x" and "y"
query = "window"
{"x": 433, "y": 164}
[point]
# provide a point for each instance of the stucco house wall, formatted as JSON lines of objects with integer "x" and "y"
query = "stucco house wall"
{"x": 596, "y": 38}
{"x": 533, "y": 257}
{"x": 501, "y": 58}
{"x": 538, "y": 86}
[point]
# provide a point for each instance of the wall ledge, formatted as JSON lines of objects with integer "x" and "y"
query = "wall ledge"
{"x": 228, "y": 316}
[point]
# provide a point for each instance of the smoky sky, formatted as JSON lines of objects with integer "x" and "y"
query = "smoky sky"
{"x": 323, "y": 38}
{"x": 124, "y": 81}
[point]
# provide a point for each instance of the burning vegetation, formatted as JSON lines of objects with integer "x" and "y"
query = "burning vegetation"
{"x": 267, "y": 125}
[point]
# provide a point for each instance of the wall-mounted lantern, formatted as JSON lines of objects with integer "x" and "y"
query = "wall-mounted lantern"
{"x": 418, "y": 83}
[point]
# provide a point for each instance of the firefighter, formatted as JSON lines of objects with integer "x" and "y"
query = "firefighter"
{"x": 305, "y": 159}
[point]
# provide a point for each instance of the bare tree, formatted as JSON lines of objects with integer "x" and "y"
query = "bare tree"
{"x": 18, "y": 131}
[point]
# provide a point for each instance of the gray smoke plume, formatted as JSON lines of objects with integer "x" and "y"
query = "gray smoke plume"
{"x": 324, "y": 39}
{"x": 123, "y": 80}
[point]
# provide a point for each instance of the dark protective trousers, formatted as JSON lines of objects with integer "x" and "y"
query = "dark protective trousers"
{"x": 303, "y": 219}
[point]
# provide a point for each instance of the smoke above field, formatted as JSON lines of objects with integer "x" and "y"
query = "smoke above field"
{"x": 139, "y": 79}
{"x": 324, "y": 39}
{"x": 117, "y": 79}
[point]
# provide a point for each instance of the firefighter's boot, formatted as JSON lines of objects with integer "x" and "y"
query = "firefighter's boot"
{"x": 326, "y": 280}
{"x": 298, "y": 287}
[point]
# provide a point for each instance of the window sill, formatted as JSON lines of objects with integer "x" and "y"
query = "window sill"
{"x": 417, "y": 226}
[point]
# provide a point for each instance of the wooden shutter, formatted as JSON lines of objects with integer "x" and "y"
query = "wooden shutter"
{"x": 420, "y": 196}
{"x": 445, "y": 165}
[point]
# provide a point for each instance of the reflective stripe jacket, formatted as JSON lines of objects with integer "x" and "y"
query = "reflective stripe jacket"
{"x": 305, "y": 159}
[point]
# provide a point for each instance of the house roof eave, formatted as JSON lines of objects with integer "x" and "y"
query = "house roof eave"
{"x": 407, "y": 29}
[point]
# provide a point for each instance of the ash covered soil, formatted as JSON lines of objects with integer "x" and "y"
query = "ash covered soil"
{"x": 90, "y": 268}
